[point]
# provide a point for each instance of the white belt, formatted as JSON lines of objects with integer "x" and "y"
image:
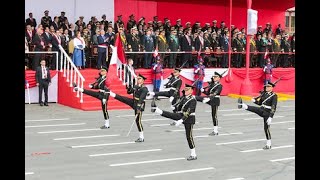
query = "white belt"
{"x": 217, "y": 96}
{"x": 192, "y": 114}
{"x": 101, "y": 46}
{"x": 265, "y": 106}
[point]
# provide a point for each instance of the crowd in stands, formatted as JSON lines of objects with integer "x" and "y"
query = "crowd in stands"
{"x": 210, "y": 40}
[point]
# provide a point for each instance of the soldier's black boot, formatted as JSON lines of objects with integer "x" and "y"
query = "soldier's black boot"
{"x": 190, "y": 158}
{"x": 139, "y": 140}
{"x": 266, "y": 147}
{"x": 240, "y": 103}
{"x": 153, "y": 105}
{"x": 74, "y": 84}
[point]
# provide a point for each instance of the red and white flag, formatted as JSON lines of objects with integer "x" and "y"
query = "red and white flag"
{"x": 118, "y": 57}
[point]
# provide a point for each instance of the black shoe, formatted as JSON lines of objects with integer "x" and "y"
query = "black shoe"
{"x": 75, "y": 88}
{"x": 214, "y": 133}
{"x": 266, "y": 147}
{"x": 190, "y": 158}
{"x": 173, "y": 124}
{"x": 74, "y": 84}
{"x": 46, "y": 104}
{"x": 139, "y": 140}
{"x": 153, "y": 105}
{"x": 157, "y": 99}
{"x": 104, "y": 127}
{"x": 240, "y": 103}
{"x": 41, "y": 104}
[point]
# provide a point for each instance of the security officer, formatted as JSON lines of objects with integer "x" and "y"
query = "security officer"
{"x": 140, "y": 92}
{"x": 214, "y": 90}
{"x": 268, "y": 104}
{"x": 186, "y": 115}
{"x": 134, "y": 46}
{"x": 46, "y": 19}
{"x": 104, "y": 97}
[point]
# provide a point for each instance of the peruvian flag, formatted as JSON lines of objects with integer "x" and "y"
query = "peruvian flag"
{"x": 117, "y": 59}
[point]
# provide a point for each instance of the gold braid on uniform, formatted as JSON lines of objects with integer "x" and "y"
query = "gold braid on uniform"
{"x": 273, "y": 109}
{"x": 186, "y": 114}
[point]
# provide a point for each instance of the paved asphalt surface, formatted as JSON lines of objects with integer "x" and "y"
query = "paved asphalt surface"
{"x": 67, "y": 144}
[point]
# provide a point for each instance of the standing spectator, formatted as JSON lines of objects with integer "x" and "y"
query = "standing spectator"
{"x": 267, "y": 29}
{"x": 56, "y": 23}
{"x": 67, "y": 39}
{"x": 43, "y": 80}
{"x": 119, "y": 23}
{"x": 268, "y": 72}
{"x": 29, "y": 34}
{"x": 78, "y": 57}
{"x": 95, "y": 37}
{"x": 186, "y": 45}
{"x": 134, "y": 46}
{"x": 178, "y": 24}
{"x": 65, "y": 25}
{"x": 285, "y": 47}
{"x": 110, "y": 36}
{"x": 104, "y": 21}
{"x": 238, "y": 47}
{"x": 80, "y": 22}
{"x": 253, "y": 52}
{"x": 148, "y": 44}
{"x": 293, "y": 43}
{"x": 278, "y": 30}
{"x": 131, "y": 23}
{"x": 162, "y": 45}
{"x": 39, "y": 44}
{"x": 62, "y": 18}
{"x": 102, "y": 49}
{"x": 158, "y": 75}
{"x": 262, "y": 48}
{"x": 56, "y": 41}
{"x": 224, "y": 42}
{"x": 31, "y": 21}
{"x": 173, "y": 47}
{"x": 46, "y": 19}
{"x": 277, "y": 49}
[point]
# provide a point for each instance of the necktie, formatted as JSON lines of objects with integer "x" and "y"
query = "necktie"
{"x": 44, "y": 73}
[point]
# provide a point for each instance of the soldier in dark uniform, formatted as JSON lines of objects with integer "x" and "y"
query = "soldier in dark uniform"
{"x": 101, "y": 95}
{"x": 173, "y": 47}
{"x": 238, "y": 46}
{"x": 118, "y": 24}
{"x": 155, "y": 22}
{"x": 46, "y": 19}
{"x": 185, "y": 114}
{"x": 131, "y": 23}
{"x": 134, "y": 45}
{"x": 137, "y": 102}
{"x": 268, "y": 104}
{"x": 286, "y": 48}
{"x": 213, "y": 99}
{"x": 178, "y": 24}
{"x": 62, "y": 18}
{"x": 214, "y": 26}
{"x": 104, "y": 21}
{"x": 31, "y": 21}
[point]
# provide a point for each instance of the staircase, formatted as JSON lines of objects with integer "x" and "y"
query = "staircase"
{"x": 68, "y": 97}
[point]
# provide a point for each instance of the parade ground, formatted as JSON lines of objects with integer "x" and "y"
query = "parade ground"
{"x": 62, "y": 143}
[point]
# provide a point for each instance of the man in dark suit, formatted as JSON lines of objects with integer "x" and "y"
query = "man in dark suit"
{"x": 46, "y": 19}
{"x": 102, "y": 49}
{"x": 186, "y": 45}
{"x": 43, "y": 80}
{"x": 31, "y": 21}
{"x": 56, "y": 41}
{"x": 39, "y": 45}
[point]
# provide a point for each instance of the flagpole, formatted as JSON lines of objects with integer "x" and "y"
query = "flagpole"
{"x": 246, "y": 85}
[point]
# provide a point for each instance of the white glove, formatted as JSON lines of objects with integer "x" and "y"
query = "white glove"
{"x": 205, "y": 100}
{"x": 159, "y": 111}
{"x": 101, "y": 90}
{"x": 201, "y": 89}
{"x": 171, "y": 98}
{"x": 151, "y": 93}
{"x": 179, "y": 122}
{"x": 90, "y": 86}
{"x": 104, "y": 101}
{"x": 253, "y": 100}
{"x": 172, "y": 107}
{"x": 269, "y": 120}
{"x": 112, "y": 94}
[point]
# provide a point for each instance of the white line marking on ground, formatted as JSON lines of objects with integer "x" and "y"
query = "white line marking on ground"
{"x": 74, "y": 130}
{"x": 40, "y": 120}
{"x": 283, "y": 159}
{"x": 235, "y": 142}
{"x": 144, "y": 162}
{"x": 225, "y": 134}
{"x": 236, "y": 179}
{"x": 173, "y": 172}
{"x": 287, "y": 106}
{"x": 132, "y": 115}
{"x": 291, "y": 128}
{"x": 108, "y": 144}
{"x": 157, "y": 125}
{"x": 278, "y": 147}
{"x": 195, "y": 129}
{"x": 154, "y": 120}
{"x": 126, "y": 152}
{"x": 52, "y": 125}
{"x": 239, "y": 114}
{"x": 282, "y": 122}
{"x": 29, "y": 173}
{"x": 247, "y": 119}
{"x": 85, "y": 137}
{"x": 227, "y": 110}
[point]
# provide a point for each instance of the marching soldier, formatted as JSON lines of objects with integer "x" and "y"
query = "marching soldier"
{"x": 185, "y": 114}
{"x": 137, "y": 103}
{"x": 104, "y": 97}
{"x": 46, "y": 19}
{"x": 199, "y": 75}
{"x": 214, "y": 90}
{"x": 268, "y": 104}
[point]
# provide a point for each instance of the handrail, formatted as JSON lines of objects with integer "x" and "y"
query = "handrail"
{"x": 70, "y": 71}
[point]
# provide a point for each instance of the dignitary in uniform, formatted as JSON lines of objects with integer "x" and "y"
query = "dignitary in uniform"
{"x": 43, "y": 80}
{"x": 199, "y": 75}
{"x": 137, "y": 102}
{"x": 46, "y": 19}
{"x": 131, "y": 23}
{"x": 213, "y": 99}
{"x": 134, "y": 45}
{"x": 268, "y": 104}
{"x": 186, "y": 115}
{"x": 101, "y": 95}
{"x": 173, "y": 47}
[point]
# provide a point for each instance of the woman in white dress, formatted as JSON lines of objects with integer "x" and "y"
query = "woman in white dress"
{"x": 78, "y": 56}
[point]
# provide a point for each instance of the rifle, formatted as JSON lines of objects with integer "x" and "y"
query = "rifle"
{"x": 264, "y": 89}
{"x": 210, "y": 82}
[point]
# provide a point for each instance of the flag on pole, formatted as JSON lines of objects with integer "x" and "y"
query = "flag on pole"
{"x": 120, "y": 49}
{"x": 115, "y": 62}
